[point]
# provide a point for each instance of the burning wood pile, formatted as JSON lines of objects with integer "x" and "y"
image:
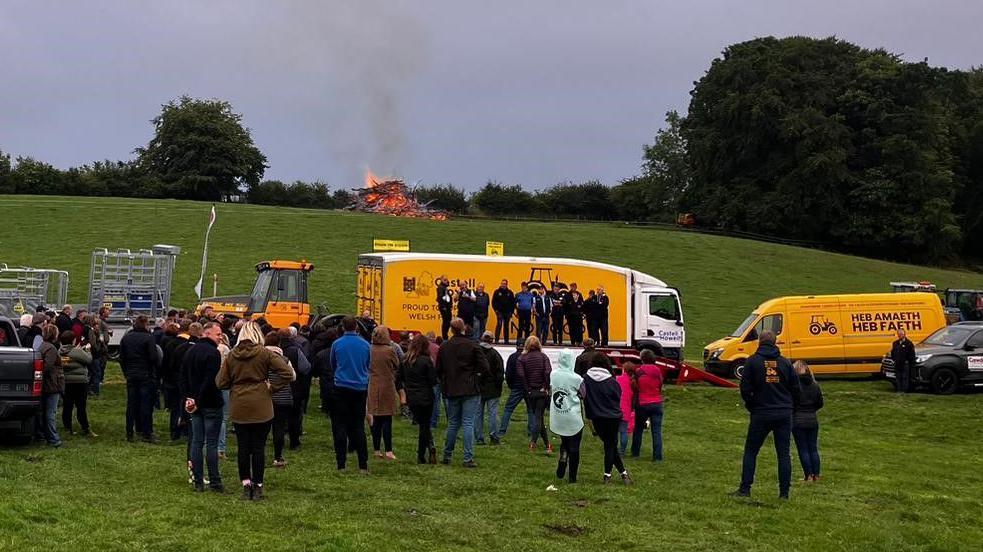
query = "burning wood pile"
{"x": 391, "y": 197}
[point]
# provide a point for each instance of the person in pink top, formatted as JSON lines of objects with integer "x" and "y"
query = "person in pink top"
{"x": 648, "y": 405}
{"x": 627, "y": 396}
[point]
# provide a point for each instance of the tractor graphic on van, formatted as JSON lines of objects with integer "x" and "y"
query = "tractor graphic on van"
{"x": 820, "y": 324}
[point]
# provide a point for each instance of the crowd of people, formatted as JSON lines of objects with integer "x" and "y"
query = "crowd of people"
{"x": 219, "y": 376}
{"x": 555, "y": 311}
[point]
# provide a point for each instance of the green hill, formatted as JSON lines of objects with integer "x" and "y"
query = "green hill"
{"x": 721, "y": 279}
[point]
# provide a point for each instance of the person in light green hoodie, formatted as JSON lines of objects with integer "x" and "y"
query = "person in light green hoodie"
{"x": 75, "y": 363}
{"x": 566, "y": 418}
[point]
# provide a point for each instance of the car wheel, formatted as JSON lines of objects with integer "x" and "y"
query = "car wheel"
{"x": 944, "y": 381}
{"x": 737, "y": 369}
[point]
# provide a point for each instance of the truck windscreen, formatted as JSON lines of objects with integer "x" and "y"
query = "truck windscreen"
{"x": 745, "y": 325}
{"x": 261, "y": 291}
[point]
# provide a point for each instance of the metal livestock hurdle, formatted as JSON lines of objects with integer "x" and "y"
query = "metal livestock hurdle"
{"x": 131, "y": 283}
{"x": 23, "y": 289}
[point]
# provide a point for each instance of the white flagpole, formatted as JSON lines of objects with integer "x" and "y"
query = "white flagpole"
{"x": 204, "y": 253}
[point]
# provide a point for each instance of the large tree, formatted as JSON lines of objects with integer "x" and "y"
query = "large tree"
{"x": 201, "y": 150}
{"x": 823, "y": 140}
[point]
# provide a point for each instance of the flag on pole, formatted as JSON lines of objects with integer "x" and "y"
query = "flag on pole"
{"x": 204, "y": 253}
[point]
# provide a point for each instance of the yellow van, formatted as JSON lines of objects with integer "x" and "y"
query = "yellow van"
{"x": 835, "y": 334}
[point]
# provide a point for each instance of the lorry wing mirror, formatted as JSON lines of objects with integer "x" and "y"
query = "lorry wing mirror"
{"x": 679, "y": 322}
{"x": 969, "y": 347}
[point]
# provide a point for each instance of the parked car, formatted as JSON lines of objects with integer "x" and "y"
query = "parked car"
{"x": 20, "y": 384}
{"x": 950, "y": 358}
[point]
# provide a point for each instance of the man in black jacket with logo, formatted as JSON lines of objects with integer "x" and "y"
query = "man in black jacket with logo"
{"x": 770, "y": 390}
{"x": 503, "y": 303}
{"x": 140, "y": 360}
{"x": 204, "y": 402}
{"x": 903, "y": 355}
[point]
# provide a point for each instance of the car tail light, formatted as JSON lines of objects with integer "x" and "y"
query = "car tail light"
{"x": 38, "y": 377}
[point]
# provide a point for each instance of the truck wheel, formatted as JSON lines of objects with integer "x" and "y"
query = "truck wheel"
{"x": 655, "y": 348}
{"x": 737, "y": 369}
{"x": 944, "y": 381}
{"x": 25, "y": 434}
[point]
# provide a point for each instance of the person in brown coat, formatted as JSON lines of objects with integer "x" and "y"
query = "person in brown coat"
{"x": 382, "y": 393}
{"x": 52, "y": 386}
{"x": 245, "y": 373}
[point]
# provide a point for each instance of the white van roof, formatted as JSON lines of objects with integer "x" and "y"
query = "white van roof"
{"x": 640, "y": 277}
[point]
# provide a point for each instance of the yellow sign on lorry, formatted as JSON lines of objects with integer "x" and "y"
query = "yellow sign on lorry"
{"x": 833, "y": 333}
{"x": 399, "y": 289}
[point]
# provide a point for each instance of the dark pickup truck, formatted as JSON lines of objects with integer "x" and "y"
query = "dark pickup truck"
{"x": 20, "y": 384}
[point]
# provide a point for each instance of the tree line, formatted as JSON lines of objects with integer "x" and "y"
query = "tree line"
{"x": 800, "y": 138}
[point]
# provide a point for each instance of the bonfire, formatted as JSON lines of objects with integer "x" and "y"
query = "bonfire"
{"x": 391, "y": 197}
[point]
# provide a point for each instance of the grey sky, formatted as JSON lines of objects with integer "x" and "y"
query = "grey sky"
{"x": 436, "y": 91}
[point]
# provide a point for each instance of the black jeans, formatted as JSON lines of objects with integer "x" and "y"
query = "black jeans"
{"x": 525, "y": 326}
{"x": 807, "y": 444}
{"x": 557, "y": 328}
{"x": 503, "y": 321}
{"x": 295, "y": 422}
{"x": 602, "y": 328}
{"x": 75, "y": 399}
{"x": 607, "y": 430}
{"x": 575, "y": 325}
{"x": 140, "y": 398}
{"x": 175, "y": 406}
{"x": 536, "y": 407}
{"x": 252, "y": 450}
{"x": 757, "y": 431}
{"x": 282, "y": 414}
{"x": 571, "y": 446}
{"x": 445, "y": 323}
{"x": 352, "y": 414}
{"x": 424, "y": 441}
{"x": 382, "y": 432}
{"x": 593, "y": 329}
{"x": 903, "y": 380}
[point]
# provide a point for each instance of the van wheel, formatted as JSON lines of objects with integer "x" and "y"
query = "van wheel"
{"x": 944, "y": 381}
{"x": 737, "y": 369}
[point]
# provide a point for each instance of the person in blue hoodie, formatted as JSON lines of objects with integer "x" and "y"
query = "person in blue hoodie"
{"x": 350, "y": 362}
{"x": 523, "y": 308}
{"x": 771, "y": 391}
{"x": 566, "y": 418}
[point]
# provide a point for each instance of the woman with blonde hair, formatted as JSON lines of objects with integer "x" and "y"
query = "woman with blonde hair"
{"x": 805, "y": 422}
{"x": 533, "y": 370}
{"x": 381, "y": 401}
{"x": 246, "y": 374}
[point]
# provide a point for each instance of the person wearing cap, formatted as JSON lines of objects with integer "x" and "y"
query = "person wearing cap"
{"x": 33, "y": 337}
{"x": 490, "y": 387}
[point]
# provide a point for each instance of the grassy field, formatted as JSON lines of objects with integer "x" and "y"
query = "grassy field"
{"x": 721, "y": 279}
{"x": 900, "y": 473}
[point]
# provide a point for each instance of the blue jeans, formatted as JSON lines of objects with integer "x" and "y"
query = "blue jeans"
{"x": 46, "y": 424}
{"x": 489, "y": 407}
{"x": 648, "y": 412}
{"x": 97, "y": 372}
{"x": 140, "y": 397}
{"x": 807, "y": 443}
{"x": 225, "y": 421}
{"x": 515, "y": 398}
{"x": 435, "y": 418}
{"x": 623, "y": 434}
{"x": 461, "y": 412}
{"x": 757, "y": 431}
{"x": 205, "y": 426}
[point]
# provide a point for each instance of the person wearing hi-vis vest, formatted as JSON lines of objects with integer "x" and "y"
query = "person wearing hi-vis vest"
{"x": 566, "y": 418}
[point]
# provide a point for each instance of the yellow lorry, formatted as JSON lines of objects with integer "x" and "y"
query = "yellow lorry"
{"x": 833, "y": 333}
{"x": 399, "y": 291}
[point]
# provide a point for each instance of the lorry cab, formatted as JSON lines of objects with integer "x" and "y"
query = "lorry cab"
{"x": 658, "y": 317}
{"x": 833, "y": 333}
{"x": 280, "y": 293}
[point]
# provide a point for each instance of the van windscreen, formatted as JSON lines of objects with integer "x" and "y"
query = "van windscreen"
{"x": 745, "y": 325}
